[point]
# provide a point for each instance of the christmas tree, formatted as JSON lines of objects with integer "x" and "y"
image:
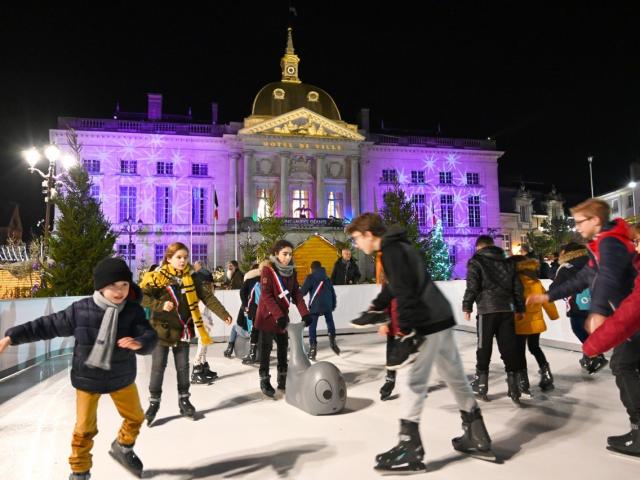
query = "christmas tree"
{"x": 437, "y": 254}
{"x": 82, "y": 236}
{"x": 398, "y": 210}
{"x": 270, "y": 229}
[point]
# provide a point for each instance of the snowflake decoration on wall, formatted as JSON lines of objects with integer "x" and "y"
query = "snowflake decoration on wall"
{"x": 452, "y": 160}
{"x": 157, "y": 140}
{"x": 128, "y": 148}
{"x": 429, "y": 163}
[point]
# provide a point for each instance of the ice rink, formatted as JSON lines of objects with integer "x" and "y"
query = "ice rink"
{"x": 239, "y": 433}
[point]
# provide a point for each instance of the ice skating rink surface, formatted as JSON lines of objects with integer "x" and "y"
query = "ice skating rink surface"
{"x": 241, "y": 434}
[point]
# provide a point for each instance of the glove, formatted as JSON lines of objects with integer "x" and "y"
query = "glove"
{"x": 282, "y": 322}
{"x": 307, "y": 320}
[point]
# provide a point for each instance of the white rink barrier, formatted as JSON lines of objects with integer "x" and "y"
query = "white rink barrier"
{"x": 352, "y": 300}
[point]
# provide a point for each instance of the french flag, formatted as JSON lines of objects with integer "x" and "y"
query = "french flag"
{"x": 215, "y": 203}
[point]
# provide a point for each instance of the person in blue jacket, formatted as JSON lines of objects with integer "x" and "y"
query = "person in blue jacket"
{"x": 322, "y": 301}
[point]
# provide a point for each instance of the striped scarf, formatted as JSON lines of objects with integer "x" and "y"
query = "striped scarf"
{"x": 164, "y": 276}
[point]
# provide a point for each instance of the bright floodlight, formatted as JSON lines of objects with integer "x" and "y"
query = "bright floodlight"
{"x": 68, "y": 161}
{"x": 52, "y": 153}
{"x": 32, "y": 156}
{"x": 632, "y": 184}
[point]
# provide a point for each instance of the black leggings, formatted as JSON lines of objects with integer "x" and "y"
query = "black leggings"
{"x": 266, "y": 344}
{"x": 533, "y": 342}
{"x": 255, "y": 335}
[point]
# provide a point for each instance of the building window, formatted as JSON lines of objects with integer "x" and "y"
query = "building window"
{"x": 94, "y": 192}
{"x": 615, "y": 207}
{"x": 300, "y": 204}
{"x": 474, "y": 210}
{"x": 506, "y": 242}
{"x": 630, "y": 201}
{"x": 524, "y": 240}
{"x": 417, "y": 176}
{"x": 446, "y": 178}
{"x": 127, "y": 251}
{"x": 473, "y": 179}
{"x": 163, "y": 205}
{"x": 335, "y": 205}
{"x": 199, "y": 169}
{"x": 446, "y": 210}
{"x": 91, "y": 166}
{"x": 127, "y": 203}
{"x": 419, "y": 204}
{"x": 264, "y": 196}
{"x": 452, "y": 255}
{"x": 158, "y": 253}
{"x": 199, "y": 252}
{"x": 389, "y": 176}
{"x": 198, "y": 206}
{"x": 164, "y": 168}
{"x": 129, "y": 167}
{"x": 524, "y": 214}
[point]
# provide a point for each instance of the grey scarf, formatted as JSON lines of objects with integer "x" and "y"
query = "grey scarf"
{"x": 284, "y": 270}
{"x": 100, "y": 356}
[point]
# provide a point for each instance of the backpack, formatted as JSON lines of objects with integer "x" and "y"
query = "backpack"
{"x": 583, "y": 300}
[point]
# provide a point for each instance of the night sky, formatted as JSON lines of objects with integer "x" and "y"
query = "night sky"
{"x": 552, "y": 84}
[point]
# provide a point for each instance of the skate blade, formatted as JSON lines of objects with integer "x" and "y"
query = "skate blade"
{"x": 133, "y": 472}
{"x": 631, "y": 456}
{"x": 409, "y": 469}
{"x": 488, "y": 456}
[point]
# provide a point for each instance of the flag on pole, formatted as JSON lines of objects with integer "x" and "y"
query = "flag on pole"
{"x": 433, "y": 216}
{"x": 237, "y": 207}
{"x": 215, "y": 203}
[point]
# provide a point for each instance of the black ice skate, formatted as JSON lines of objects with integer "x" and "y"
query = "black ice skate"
{"x": 80, "y": 476}
{"x": 251, "y": 357}
{"x": 152, "y": 411}
{"x": 406, "y": 457}
{"x": 265, "y": 386}
{"x": 525, "y": 387}
{"x": 389, "y": 385}
{"x": 208, "y": 373}
{"x": 125, "y": 456}
{"x": 546, "y": 379}
{"x": 313, "y": 350}
{"x": 229, "y": 351}
{"x": 475, "y": 441}
{"x": 199, "y": 377}
{"x": 627, "y": 444}
{"x": 334, "y": 345}
{"x": 404, "y": 350}
{"x": 480, "y": 384}
{"x": 513, "y": 387}
{"x": 596, "y": 364}
{"x": 370, "y": 318}
{"x": 187, "y": 410}
{"x": 282, "y": 379}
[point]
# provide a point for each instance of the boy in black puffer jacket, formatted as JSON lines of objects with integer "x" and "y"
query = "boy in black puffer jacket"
{"x": 494, "y": 286}
{"x": 109, "y": 328}
{"x": 322, "y": 301}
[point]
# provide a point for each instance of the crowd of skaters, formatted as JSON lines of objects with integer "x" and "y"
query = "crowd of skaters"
{"x": 175, "y": 305}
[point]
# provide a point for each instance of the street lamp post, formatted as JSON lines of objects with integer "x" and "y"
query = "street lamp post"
{"x": 590, "y": 160}
{"x": 632, "y": 186}
{"x": 130, "y": 230}
{"x": 52, "y": 153}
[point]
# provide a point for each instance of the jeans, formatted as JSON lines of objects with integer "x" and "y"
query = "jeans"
{"x": 159, "y": 364}
{"x": 502, "y": 326}
{"x": 328, "y": 316}
{"x": 625, "y": 362}
{"x": 533, "y": 341}
{"x": 438, "y": 349}
{"x": 127, "y": 402}
{"x": 266, "y": 344}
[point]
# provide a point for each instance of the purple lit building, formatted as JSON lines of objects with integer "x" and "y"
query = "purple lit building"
{"x": 294, "y": 146}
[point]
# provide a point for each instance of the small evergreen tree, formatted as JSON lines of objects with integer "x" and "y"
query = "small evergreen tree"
{"x": 399, "y": 210}
{"x": 82, "y": 235}
{"x": 270, "y": 229}
{"x": 437, "y": 254}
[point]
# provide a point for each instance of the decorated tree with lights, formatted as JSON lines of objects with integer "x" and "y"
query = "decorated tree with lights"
{"x": 82, "y": 235}
{"x": 398, "y": 210}
{"x": 437, "y": 254}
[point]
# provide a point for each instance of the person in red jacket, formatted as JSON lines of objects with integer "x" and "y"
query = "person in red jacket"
{"x": 278, "y": 290}
{"x": 625, "y": 321}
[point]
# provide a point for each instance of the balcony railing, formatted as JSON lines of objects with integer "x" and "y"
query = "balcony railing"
{"x": 167, "y": 128}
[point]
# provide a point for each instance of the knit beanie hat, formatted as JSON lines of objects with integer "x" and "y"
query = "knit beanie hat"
{"x": 111, "y": 270}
